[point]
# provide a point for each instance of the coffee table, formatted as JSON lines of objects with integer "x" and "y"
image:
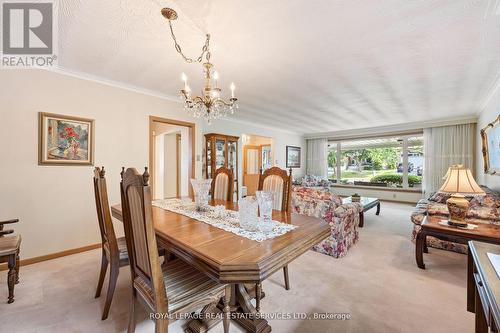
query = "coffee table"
{"x": 367, "y": 203}
{"x": 488, "y": 233}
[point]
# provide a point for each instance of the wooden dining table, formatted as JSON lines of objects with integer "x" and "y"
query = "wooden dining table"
{"x": 232, "y": 259}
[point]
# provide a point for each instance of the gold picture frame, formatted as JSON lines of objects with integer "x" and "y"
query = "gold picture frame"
{"x": 490, "y": 138}
{"x": 65, "y": 140}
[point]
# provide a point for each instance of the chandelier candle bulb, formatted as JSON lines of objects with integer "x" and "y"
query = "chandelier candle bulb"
{"x": 232, "y": 89}
{"x": 216, "y": 78}
{"x": 184, "y": 79}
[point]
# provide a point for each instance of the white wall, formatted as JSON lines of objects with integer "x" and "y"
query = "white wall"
{"x": 159, "y": 169}
{"x": 160, "y": 130}
{"x": 489, "y": 114}
{"x": 281, "y": 139}
{"x": 170, "y": 172}
{"x": 56, "y": 203}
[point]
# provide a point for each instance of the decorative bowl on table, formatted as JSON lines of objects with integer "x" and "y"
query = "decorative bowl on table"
{"x": 201, "y": 189}
{"x": 355, "y": 197}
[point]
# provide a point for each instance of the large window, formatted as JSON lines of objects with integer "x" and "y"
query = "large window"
{"x": 383, "y": 162}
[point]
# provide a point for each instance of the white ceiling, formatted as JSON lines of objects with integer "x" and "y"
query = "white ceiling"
{"x": 304, "y": 66}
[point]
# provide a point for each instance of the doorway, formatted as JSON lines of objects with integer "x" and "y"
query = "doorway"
{"x": 171, "y": 157}
{"x": 257, "y": 155}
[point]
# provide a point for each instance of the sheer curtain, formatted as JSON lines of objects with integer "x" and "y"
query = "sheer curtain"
{"x": 317, "y": 153}
{"x": 444, "y": 146}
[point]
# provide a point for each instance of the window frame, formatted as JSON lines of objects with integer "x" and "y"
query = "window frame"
{"x": 405, "y": 160}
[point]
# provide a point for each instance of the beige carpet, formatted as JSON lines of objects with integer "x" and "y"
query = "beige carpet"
{"x": 377, "y": 283}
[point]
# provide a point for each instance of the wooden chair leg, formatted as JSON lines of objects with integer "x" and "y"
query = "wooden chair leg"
{"x": 287, "y": 281}
{"x": 131, "y": 319}
{"x": 11, "y": 277}
{"x": 226, "y": 300}
{"x": 113, "y": 277}
{"x": 258, "y": 295}
{"x": 102, "y": 274}
{"x": 17, "y": 267}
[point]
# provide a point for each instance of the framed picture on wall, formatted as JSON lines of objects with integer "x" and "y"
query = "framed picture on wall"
{"x": 490, "y": 136}
{"x": 65, "y": 140}
{"x": 292, "y": 157}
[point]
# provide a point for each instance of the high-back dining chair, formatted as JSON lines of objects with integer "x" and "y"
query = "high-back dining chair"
{"x": 223, "y": 184}
{"x": 279, "y": 182}
{"x": 9, "y": 253}
{"x": 114, "y": 250}
{"x": 168, "y": 290}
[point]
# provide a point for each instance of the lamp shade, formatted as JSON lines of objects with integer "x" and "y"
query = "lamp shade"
{"x": 460, "y": 180}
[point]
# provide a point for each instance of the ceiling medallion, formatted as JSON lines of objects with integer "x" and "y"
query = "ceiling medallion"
{"x": 210, "y": 105}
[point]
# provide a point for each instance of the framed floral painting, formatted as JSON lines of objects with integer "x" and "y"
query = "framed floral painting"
{"x": 490, "y": 136}
{"x": 65, "y": 140}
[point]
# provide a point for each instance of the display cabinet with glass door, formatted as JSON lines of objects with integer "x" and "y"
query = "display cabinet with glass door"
{"x": 221, "y": 150}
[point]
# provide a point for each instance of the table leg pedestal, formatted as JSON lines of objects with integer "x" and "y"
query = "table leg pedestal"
{"x": 378, "y": 209}
{"x": 242, "y": 312}
{"x": 245, "y": 311}
{"x": 203, "y": 325}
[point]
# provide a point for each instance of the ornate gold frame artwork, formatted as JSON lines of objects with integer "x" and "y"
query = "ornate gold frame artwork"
{"x": 490, "y": 136}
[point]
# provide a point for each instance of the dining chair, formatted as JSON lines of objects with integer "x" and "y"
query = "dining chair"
{"x": 9, "y": 253}
{"x": 222, "y": 184}
{"x": 114, "y": 250}
{"x": 279, "y": 182}
{"x": 169, "y": 291}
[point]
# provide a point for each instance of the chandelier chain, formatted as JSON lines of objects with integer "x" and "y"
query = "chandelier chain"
{"x": 204, "y": 51}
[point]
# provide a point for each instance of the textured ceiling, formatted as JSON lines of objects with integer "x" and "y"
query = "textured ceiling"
{"x": 304, "y": 66}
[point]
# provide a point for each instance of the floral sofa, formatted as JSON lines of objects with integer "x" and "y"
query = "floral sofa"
{"x": 483, "y": 209}
{"x": 343, "y": 218}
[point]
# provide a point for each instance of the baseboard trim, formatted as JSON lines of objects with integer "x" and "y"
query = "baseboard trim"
{"x": 34, "y": 260}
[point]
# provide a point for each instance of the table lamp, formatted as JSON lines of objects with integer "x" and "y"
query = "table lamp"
{"x": 459, "y": 182}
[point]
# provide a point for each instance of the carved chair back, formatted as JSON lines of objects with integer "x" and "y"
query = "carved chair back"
{"x": 108, "y": 237}
{"x": 141, "y": 240}
{"x": 280, "y": 182}
{"x": 223, "y": 184}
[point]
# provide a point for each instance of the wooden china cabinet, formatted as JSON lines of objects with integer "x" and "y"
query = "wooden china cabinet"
{"x": 221, "y": 150}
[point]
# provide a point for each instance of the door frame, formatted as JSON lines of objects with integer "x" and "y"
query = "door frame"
{"x": 191, "y": 152}
{"x": 179, "y": 164}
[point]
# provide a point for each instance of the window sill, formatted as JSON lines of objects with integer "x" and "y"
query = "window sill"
{"x": 379, "y": 188}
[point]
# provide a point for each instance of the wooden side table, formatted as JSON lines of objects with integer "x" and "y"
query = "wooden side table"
{"x": 488, "y": 233}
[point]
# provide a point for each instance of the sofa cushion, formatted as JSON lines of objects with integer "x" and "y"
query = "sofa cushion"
{"x": 439, "y": 197}
{"x": 434, "y": 208}
{"x": 304, "y": 192}
{"x": 491, "y": 199}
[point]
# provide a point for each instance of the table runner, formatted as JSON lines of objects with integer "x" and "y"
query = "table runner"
{"x": 221, "y": 218}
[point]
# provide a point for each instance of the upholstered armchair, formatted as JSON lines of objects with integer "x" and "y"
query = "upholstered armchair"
{"x": 342, "y": 218}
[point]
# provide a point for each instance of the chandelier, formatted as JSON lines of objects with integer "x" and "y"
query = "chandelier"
{"x": 210, "y": 104}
